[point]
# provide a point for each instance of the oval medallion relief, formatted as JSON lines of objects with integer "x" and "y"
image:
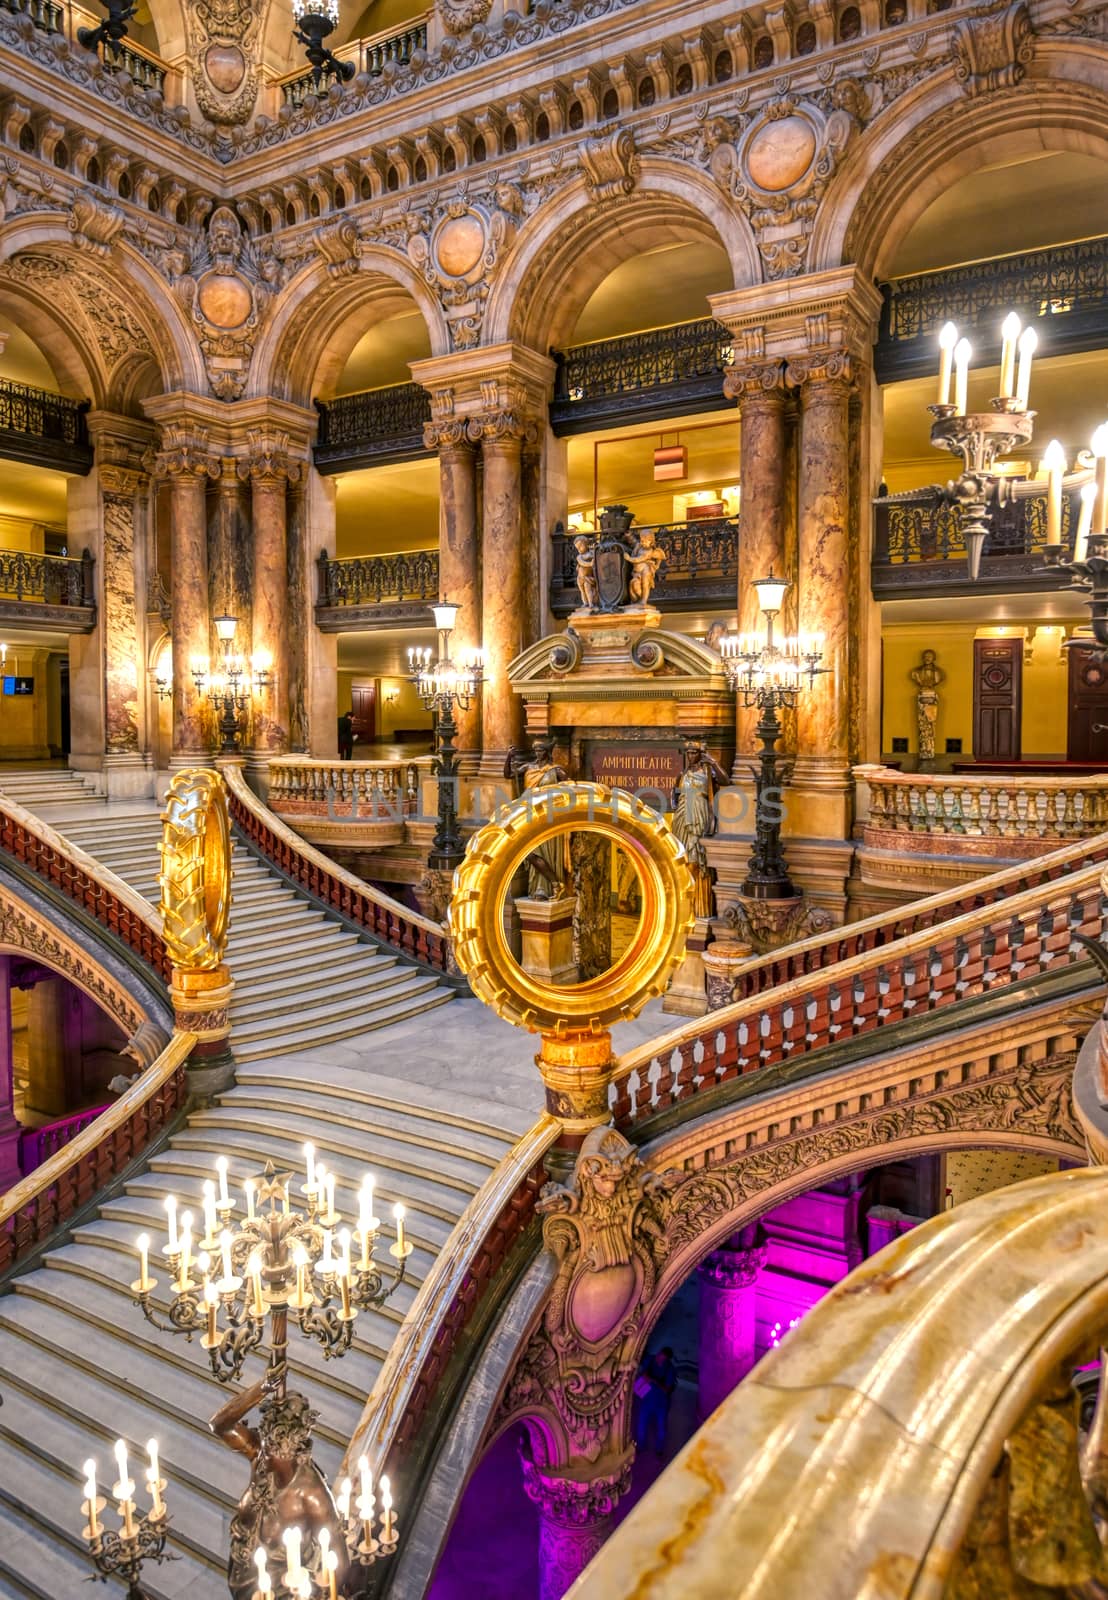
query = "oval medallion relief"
{"x": 459, "y": 245}
{"x": 780, "y": 153}
{"x": 225, "y": 300}
{"x": 225, "y": 65}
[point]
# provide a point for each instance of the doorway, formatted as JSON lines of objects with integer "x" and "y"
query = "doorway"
{"x": 363, "y": 706}
{"x": 997, "y": 699}
{"x": 1087, "y": 722}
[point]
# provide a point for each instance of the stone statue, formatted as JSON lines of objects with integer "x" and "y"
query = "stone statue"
{"x": 694, "y": 817}
{"x": 548, "y": 866}
{"x": 587, "y": 586}
{"x": 927, "y": 678}
{"x": 644, "y": 560}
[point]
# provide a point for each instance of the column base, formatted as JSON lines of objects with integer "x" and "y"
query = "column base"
{"x": 201, "y": 1005}
{"x": 686, "y": 995}
{"x": 126, "y": 775}
{"x": 547, "y": 929}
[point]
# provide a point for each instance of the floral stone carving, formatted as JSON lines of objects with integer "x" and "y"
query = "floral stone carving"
{"x": 224, "y": 36}
{"x": 227, "y": 299}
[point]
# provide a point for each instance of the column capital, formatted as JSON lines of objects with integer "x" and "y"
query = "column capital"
{"x": 755, "y": 380}
{"x": 502, "y": 427}
{"x": 733, "y": 1269}
{"x": 269, "y": 458}
{"x": 447, "y": 433}
{"x": 184, "y": 451}
{"x": 575, "y": 1502}
{"x": 496, "y": 391}
{"x": 122, "y": 481}
{"x": 830, "y": 370}
{"x": 837, "y": 309}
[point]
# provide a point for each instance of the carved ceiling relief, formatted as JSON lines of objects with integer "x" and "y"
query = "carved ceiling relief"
{"x": 224, "y": 41}
{"x": 458, "y": 247}
{"x": 101, "y": 319}
{"x": 225, "y": 291}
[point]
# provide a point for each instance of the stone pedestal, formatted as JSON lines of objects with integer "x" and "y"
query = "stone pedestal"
{"x": 770, "y": 924}
{"x": 547, "y": 930}
{"x": 686, "y": 995}
{"x": 727, "y": 1281}
{"x": 575, "y": 1518}
{"x": 128, "y": 775}
{"x": 722, "y": 961}
{"x": 609, "y": 638}
{"x": 201, "y": 1005}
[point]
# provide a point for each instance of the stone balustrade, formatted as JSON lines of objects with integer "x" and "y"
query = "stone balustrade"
{"x": 370, "y": 791}
{"x": 991, "y": 815}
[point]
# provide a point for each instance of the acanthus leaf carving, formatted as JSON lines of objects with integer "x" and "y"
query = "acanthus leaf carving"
{"x": 610, "y": 163}
{"x": 94, "y": 225}
{"x": 339, "y": 245}
{"x": 224, "y": 37}
{"x": 227, "y": 298}
{"x": 993, "y": 50}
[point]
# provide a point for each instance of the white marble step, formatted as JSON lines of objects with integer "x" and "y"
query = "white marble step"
{"x": 253, "y": 1045}
{"x": 331, "y": 999}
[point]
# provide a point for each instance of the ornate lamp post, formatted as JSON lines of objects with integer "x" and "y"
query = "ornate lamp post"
{"x": 769, "y": 674}
{"x": 442, "y": 686}
{"x": 112, "y": 31}
{"x": 230, "y": 688}
{"x": 314, "y": 20}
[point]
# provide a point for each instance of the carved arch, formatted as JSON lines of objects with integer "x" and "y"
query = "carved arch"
{"x": 23, "y": 931}
{"x": 566, "y": 249}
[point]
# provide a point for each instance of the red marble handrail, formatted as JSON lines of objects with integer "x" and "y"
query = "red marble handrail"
{"x": 113, "y": 904}
{"x": 359, "y": 902}
{"x": 77, "y": 1173}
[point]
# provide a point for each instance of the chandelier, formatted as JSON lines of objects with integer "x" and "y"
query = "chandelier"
{"x": 230, "y": 687}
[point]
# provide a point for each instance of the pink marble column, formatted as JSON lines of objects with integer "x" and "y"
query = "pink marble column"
{"x": 727, "y": 1281}
{"x": 460, "y": 561}
{"x": 503, "y": 607}
{"x": 185, "y": 459}
{"x": 9, "y": 1127}
{"x": 763, "y": 411}
{"x": 575, "y": 1518}
{"x": 270, "y": 469}
{"x": 826, "y": 566}
{"x": 123, "y": 652}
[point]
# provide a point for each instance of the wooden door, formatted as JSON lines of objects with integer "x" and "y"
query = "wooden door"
{"x": 363, "y": 704}
{"x": 1087, "y": 722}
{"x": 997, "y": 686}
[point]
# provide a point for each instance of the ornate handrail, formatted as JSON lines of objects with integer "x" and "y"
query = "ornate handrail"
{"x": 974, "y": 953}
{"x": 51, "y": 580}
{"x": 963, "y": 810}
{"x": 89, "y": 884}
{"x": 481, "y": 1238}
{"x": 403, "y": 575}
{"x": 369, "y": 55}
{"x": 702, "y": 562}
{"x": 373, "y": 425}
{"x": 51, "y": 1194}
{"x": 382, "y": 916}
{"x": 45, "y": 14}
{"x": 364, "y": 789}
{"x": 934, "y": 1351}
{"x": 41, "y": 427}
{"x": 37, "y": 1145}
{"x": 683, "y": 363}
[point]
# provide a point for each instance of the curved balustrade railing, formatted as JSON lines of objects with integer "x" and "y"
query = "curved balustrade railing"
{"x": 974, "y": 953}
{"x": 369, "y": 790}
{"x": 964, "y": 811}
{"x": 406, "y": 575}
{"x": 860, "y": 1456}
{"x": 76, "y": 1174}
{"x": 382, "y": 916}
{"x": 89, "y": 884}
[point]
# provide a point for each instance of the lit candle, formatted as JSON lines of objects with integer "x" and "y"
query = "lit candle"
{"x": 124, "y": 1487}
{"x": 386, "y": 1511}
{"x": 309, "y": 1159}
{"x": 225, "y": 1248}
{"x": 154, "y": 1478}
{"x": 224, "y": 1197}
{"x": 211, "y": 1303}
{"x": 1054, "y": 464}
{"x": 1100, "y": 453}
{"x": 300, "y": 1258}
{"x": 367, "y": 1222}
{"x": 1009, "y": 333}
{"x": 285, "y": 1199}
{"x": 91, "y": 1502}
{"x": 365, "y": 1499}
{"x": 342, "y": 1499}
{"x": 963, "y": 350}
{"x": 324, "y": 1546}
{"x": 184, "y": 1283}
{"x": 344, "y": 1272}
{"x": 248, "y": 1189}
{"x": 330, "y": 1568}
{"x": 329, "y": 1180}
{"x": 258, "y": 1307}
{"x": 292, "y": 1554}
{"x": 1084, "y": 523}
{"x": 1029, "y": 340}
{"x": 145, "y": 1281}
{"x": 326, "y": 1260}
{"x": 209, "y": 1210}
{"x": 171, "y": 1213}
{"x": 948, "y": 338}
{"x": 265, "y": 1583}
{"x": 399, "y": 1249}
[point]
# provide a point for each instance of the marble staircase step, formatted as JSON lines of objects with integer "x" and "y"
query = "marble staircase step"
{"x": 252, "y": 1044}
{"x": 333, "y": 998}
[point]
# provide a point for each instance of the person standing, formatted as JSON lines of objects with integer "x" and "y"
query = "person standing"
{"x": 654, "y": 1386}
{"x": 346, "y": 736}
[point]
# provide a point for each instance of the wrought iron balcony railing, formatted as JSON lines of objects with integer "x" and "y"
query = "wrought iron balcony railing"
{"x": 663, "y": 372}
{"x": 919, "y": 547}
{"x": 370, "y": 56}
{"x": 701, "y": 566}
{"x": 1067, "y": 284}
{"x": 397, "y": 588}
{"x": 371, "y": 428}
{"x": 43, "y": 429}
{"x": 63, "y": 581}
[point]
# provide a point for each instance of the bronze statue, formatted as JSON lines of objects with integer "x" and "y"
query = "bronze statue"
{"x": 927, "y": 678}
{"x": 286, "y": 1487}
{"x": 548, "y": 866}
{"x": 694, "y": 817}
{"x": 644, "y": 559}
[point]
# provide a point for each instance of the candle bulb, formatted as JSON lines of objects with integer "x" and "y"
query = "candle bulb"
{"x": 963, "y": 350}
{"x": 123, "y": 1488}
{"x": 1084, "y": 523}
{"x": 209, "y": 1211}
{"x": 257, "y": 1309}
{"x": 330, "y": 1182}
{"x": 225, "y": 1248}
{"x": 1054, "y": 464}
{"x": 342, "y": 1499}
{"x": 224, "y": 1197}
{"x": 365, "y": 1499}
{"x": 388, "y": 1532}
{"x": 248, "y": 1189}
{"x": 92, "y": 1504}
{"x": 344, "y": 1273}
{"x": 948, "y": 338}
{"x": 1029, "y": 340}
{"x": 1100, "y": 454}
{"x": 171, "y": 1213}
{"x": 184, "y": 1283}
{"x": 145, "y": 1281}
{"x": 211, "y": 1304}
{"x": 1009, "y": 333}
{"x": 265, "y": 1583}
{"x": 330, "y": 1568}
{"x": 309, "y": 1160}
{"x": 292, "y": 1554}
{"x": 400, "y": 1250}
{"x": 302, "y": 1297}
{"x": 154, "y": 1479}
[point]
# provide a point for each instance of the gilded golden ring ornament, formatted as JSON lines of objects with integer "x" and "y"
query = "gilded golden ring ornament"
{"x": 195, "y": 878}
{"x": 481, "y": 887}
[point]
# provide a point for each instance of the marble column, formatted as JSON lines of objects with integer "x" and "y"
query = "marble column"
{"x": 124, "y": 650}
{"x": 9, "y": 1127}
{"x": 503, "y": 606}
{"x": 826, "y": 577}
{"x": 460, "y": 561}
{"x": 763, "y": 456}
{"x": 301, "y": 619}
{"x": 187, "y": 462}
{"x": 270, "y": 469}
{"x": 727, "y": 1281}
{"x": 575, "y": 1518}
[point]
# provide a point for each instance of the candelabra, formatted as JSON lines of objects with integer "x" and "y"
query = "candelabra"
{"x": 120, "y": 1552}
{"x": 112, "y": 31}
{"x": 314, "y": 20}
{"x": 770, "y": 675}
{"x": 229, "y": 690}
{"x": 442, "y": 686}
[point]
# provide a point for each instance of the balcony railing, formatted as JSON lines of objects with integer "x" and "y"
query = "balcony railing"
{"x": 919, "y": 547}
{"x": 701, "y": 566}
{"x": 663, "y": 372}
{"x": 139, "y": 65}
{"x": 45, "y": 14}
{"x": 1067, "y": 284}
{"x": 371, "y": 428}
{"x": 369, "y": 56}
{"x": 64, "y": 583}
{"x": 43, "y": 429}
{"x": 377, "y": 792}
{"x": 354, "y": 590}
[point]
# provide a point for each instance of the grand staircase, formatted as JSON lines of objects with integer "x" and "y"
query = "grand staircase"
{"x": 46, "y": 787}
{"x": 302, "y": 979}
{"x": 81, "y": 1367}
